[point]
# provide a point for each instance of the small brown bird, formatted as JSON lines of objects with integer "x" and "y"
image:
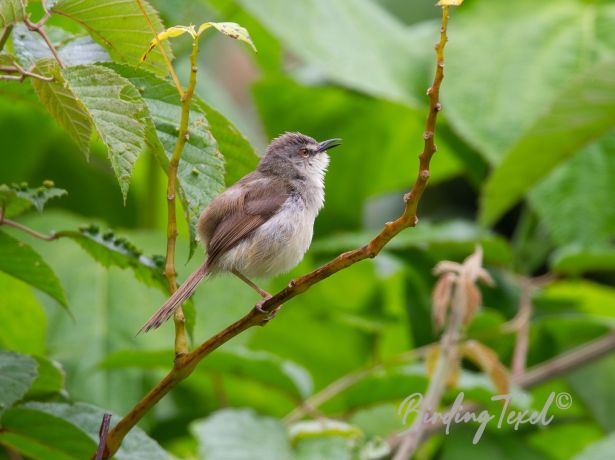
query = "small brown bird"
{"x": 263, "y": 224}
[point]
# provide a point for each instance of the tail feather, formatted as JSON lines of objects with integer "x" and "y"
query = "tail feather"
{"x": 178, "y": 297}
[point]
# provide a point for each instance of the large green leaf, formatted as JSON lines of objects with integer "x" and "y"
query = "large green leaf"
{"x": 574, "y": 202}
{"x": 241, "y": 434}
{"x": 118, "y": 26}
{"x": 117, "y": 111}
{"x": 21, "y": 261}
{"x": 260, "y": 366}
{"x": 22, "y": 317}
{"x": 575, "y": 259}
{"x": 18, "y": 198}
{"x": 529, "y": 51}
{"x": 354, "y": 42}
{"x": 17, "y": 372}
{"x": 583, "y": 112}
{"x": 63, "y": 105}
{"x": 69, "y": 431}
{"x": 30, "y": 47}
{"x": 11, "y": 11}
{"x": 201, "y": 169}
{"x": 111, "y": 250}
{"x": 49, "y": 382}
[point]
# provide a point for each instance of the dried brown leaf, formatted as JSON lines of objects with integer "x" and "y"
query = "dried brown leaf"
{"x": 473, "y": 299}
{"x": 441, "y": 298}
{"x": 487, "y": 359}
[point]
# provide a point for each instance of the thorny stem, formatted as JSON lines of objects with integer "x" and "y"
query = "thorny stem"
{"x": 185, "y": 364}
{"x": 178, "y": 85}
{"x": 181, "y": 343}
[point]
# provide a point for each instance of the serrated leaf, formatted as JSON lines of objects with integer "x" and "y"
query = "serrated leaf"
{"x": 201, "y": 169}
{"x": 21, "y": 261}
{"x": 30, "y": 47}
{"x": 117, "y": 111}
{"x": 11, "y": 11}
{"x": 118, "y": 26}
{"x": 241, "y": 435}
{"x": 230, "y": 29}
{"x": 15, "y": 199}
{"x": 110, "y": 250}
{"x": 22, "y": 317}
{"x": 63, "y": 105}
{"x": 583, "y": 112}
{"x": 17, "y": 372}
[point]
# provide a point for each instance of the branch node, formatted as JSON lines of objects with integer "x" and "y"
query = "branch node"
{"x": 428, "y": 135}
{"x": 437, "y": 107}
{"x": 424, "y": 174}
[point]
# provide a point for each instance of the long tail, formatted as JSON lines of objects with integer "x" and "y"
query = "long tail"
{"x": 178, "y": 297}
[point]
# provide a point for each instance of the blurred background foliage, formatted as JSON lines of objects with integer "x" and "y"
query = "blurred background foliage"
{"x": 525, "y": 167}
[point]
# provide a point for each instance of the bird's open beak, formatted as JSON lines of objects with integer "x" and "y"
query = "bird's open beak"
{"x": 329, "y": 144}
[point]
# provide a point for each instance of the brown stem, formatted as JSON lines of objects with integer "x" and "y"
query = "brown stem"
{"x": 102, "y": 434}
{"x": 23, "y": 73}
{"x": 522, "y": 323}
{"x": 178, "y": 85}
{"x": 185, "y": 364}
{"x": 28, "y": 230}
{"x": 38, "y": 28}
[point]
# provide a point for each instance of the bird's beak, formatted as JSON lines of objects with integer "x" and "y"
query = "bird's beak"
{"x": 329, "y": 144}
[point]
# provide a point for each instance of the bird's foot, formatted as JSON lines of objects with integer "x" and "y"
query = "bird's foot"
{"x": 269, "y": 314}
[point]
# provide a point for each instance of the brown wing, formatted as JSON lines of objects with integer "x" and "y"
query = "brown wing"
{"x": 261, "y": 200}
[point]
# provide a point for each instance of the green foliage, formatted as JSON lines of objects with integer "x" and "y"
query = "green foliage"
{"x": 117, "y": 112}
{"x": 17, "y": 374}
{"x": 119, "y": 27}
{"x": 21, "y": 261}
{"x": 11, "y": 11}
{"x": 18, "y": 198}
{"x": 524, "y": 168}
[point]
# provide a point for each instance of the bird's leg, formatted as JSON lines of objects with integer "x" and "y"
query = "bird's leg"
{"x": 264, "y": 294}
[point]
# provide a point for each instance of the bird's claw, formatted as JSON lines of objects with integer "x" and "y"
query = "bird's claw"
{"x": 269, "y": 314}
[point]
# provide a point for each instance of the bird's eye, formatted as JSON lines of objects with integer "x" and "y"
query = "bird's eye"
{"x": 304, "y": 152}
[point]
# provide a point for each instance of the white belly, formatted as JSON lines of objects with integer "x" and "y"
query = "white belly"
{"x": 276, "y": 246}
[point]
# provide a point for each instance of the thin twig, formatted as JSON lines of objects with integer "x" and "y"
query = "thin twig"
{"x": 343, "y": 383}
{"x": 522, "y": 325}
{"x": 178, "y": 85}
{"x": 184, "y": 365}
{"x": 102, "y": 435}
{"x": 28, "y": 230}
{"x": 23, "y": 73}
{"x": 38, "y": 28}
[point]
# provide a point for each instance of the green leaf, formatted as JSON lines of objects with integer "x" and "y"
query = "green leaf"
{"x": 593, "y": 384}
{"x": 260, "y": 366}
{"x": 15, "y": 199}
{"x": 583, "y": 112}
{"x": 581, "y": 298}
{"x": 323, "y": 427}
{"x": 241, "y": 434}
{"x": 119, "y": 26}
{"x": 22, "y": 317}
{"x": 600, "y": 450}
{"x": 201, "y": 169}
{"x": 17, "y": 372}
{"x": 345, "y": 38}
{"x": 563, "y": 441}
{"x": 331, "y": 447}
{"x": 63, "y": 105}
{"x": 574, "y": 202}
{"x": 87, "y": 418}
{"x": 575, "y": 259}
{"x": 49, "y": 382}
{"x": 11, "y": 11}
{"x": 110, "y": 250}
{"x": 21, "y": 261}
{"x": 117, "y": 111}
{"x": 30, "y": 47}
{"x": 529, "y": 52}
